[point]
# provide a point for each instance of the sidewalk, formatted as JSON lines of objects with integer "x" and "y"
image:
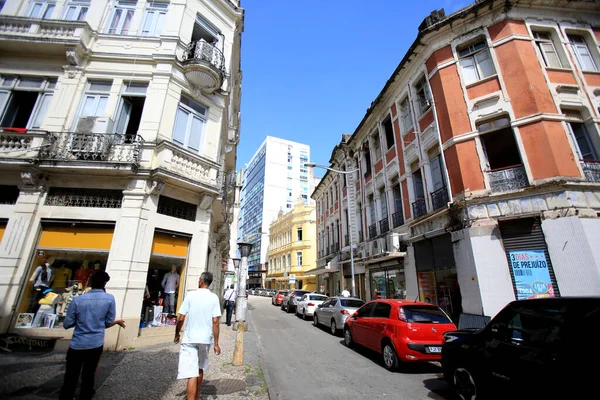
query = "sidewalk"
{"x": 145, "y": 373}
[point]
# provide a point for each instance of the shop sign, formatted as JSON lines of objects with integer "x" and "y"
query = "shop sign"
{"x": 292, "y": 278}
{"x": 427, "y": 287}
{"x": 13, "y": 343}
{"x": 531, "y": 274}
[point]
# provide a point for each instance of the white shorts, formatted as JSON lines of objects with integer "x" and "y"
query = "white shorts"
{"x": 192, "y": 358}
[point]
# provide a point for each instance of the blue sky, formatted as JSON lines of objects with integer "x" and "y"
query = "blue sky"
{"x": 312, "y": 67}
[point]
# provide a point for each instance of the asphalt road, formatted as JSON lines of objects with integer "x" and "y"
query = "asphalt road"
{"x": 301, "y": 361}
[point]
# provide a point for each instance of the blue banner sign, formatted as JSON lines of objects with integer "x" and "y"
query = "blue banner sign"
{"x": 531, "y": 274}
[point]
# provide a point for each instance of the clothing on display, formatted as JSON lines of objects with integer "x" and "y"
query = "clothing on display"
{"x": 170, "y": 303}
{"x": 170, "y": 282}
{"x": 82, "y": 275}
{"x": 62, "y": 275}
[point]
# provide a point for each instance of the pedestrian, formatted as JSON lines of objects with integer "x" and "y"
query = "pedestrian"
{"x": 203, "y": 311}
{"x": 345, "y": 292}
{"x": 230, "y": 297}
{"x": 91, "y": 314}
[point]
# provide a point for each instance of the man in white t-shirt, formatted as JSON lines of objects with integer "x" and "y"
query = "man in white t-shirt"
{"x": 345, "y": 292}
{"x": 203, "y": 311}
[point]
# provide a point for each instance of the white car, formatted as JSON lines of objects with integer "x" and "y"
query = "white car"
{"x": 308, "y": 304}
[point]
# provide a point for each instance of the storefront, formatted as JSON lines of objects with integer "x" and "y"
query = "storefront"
{"x": 165, "y": 280}
{"x": 436, "y": 274}
{"x": 359, "y": 278}
{"x": 66, "y": 257}
{"x": 387, "y": 280}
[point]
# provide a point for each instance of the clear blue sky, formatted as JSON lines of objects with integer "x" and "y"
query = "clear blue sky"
{"x": 312, "y": 67}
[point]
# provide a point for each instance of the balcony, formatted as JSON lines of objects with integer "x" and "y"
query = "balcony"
{"x": 439, "y": 198}
{"x": 19, "y": 148}
{"x": 48, "y": 37}
{"x": 204, "y": 65}
{"x": 591, "y": 169}
{"x": 397, "y": 219}
{"x": 508, "y": 179}
{"x": 92, "y": 148}
{"x": 174, "y": 162}
{"x": 384, "y": 225}
{"x": 419, "y": 208}
{"x": 372, "y": 231}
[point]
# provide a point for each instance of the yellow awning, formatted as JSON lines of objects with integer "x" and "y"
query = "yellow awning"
{"x": 55, "y": 237}
{"x": 169, "y": 246}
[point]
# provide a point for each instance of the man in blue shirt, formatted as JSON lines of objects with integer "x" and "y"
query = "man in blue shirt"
{"x": 91, "y": 314}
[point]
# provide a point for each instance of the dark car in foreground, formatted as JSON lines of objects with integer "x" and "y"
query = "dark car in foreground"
{"x": 538, "y": 348}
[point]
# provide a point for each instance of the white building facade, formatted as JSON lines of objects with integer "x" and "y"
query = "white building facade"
{"x": 274, "y": 179}
{"x": 120, "y": 123}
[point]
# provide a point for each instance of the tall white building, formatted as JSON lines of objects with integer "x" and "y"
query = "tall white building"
{"x": 273, "y": 180}
{"x": 120, "y": 123}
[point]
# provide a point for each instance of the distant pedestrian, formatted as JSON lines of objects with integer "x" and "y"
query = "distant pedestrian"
{"x": 345, "y": 292}
{"x": 203, "y": 311}
{"x": 91, "y": 314}
{"x": 230, "y": 297}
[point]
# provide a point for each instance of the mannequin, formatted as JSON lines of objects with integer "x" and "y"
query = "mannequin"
{"x": 51, "y": 299}
{"x": 170, "y": 283}
{"x": 63, "y": 274}
{"x": 41, "y": 278}
{"x": 83, "y": 273}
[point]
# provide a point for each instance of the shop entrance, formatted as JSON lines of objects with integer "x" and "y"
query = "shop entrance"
{"x": 388, "y": 283}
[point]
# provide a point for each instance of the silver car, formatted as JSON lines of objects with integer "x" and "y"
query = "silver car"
{"x": 334, "y": 312}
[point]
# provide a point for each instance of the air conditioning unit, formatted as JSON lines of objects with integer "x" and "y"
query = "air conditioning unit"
{"x": 95, "y": 125}
{"x": 92, "y": 137}
{"x": 396, "y": 242}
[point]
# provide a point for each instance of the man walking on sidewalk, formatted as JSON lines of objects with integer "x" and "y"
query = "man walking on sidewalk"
{"x": 230, "y": 296}
{"x": 203, "y": 312}
{"x": 90, "y": 314}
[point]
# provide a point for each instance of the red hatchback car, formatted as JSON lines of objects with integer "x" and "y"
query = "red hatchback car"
{"x": 400, "y": 330}
{"x": 278, "y": 298}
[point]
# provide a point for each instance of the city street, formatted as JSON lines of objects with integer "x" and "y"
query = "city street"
{"x": 301, "y": 361}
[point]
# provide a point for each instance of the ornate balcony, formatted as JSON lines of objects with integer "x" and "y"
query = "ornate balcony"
{"x": 591, "y": 169}
{"x": 397, "y": 219}
{"x": 384, "y": 225}
{"x": 85, "y": 148}
{"x": 439, "y": 198}
{"x": 20, "y": 148}
{"x": 419, "y": 208}
{"x": 372, "y": 231}
{"x": 508, "y": 179}
{"x": 204, "y": 65}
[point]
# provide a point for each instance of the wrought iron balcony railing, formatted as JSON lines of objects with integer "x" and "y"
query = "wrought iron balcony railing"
{"x": 92, "y": 147}
{"x": 508, "y": 179}
{"x": 397, "y": 219}
{"x": 204, "y": 65}
{"x": 201, "y": 50}
{"x": 439, "y": 198}
{"x": 372, "y": 231}
{"x": 591, "y": 169}
{"x": 419, "y": 208}
{"x": 384, "y": 225}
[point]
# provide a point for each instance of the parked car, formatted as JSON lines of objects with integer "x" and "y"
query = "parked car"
{"x": 400, "y": 330}
{"x": 290, "y": 301}
{"x": 265, "y": 292}
{"x": 272, "y": 293}
{"x": 278, "y": 298}
{"x": 334, "y": 312}
{"x": 538, "y": 348}
{"x": 308, "y": 303}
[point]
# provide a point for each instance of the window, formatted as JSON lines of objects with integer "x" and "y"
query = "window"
{"x": 299, "y": 234}
{"x": 367, "y": 159}
{"x": 544, "y": 42}
{"x": 41, "y": 9}
{"x": 580, "y": 134}
{"x": 372, "y": 216}
{"x": 131, "y": 105}
{"x": 204, "y": 30}
{"x": 95, "y": 99}
{"x": 121, "y": 17}
{"x": 498, "y": 141}
{"x": 154, "y": 19}
{"x": 418, "y": 185}
{"x": 365, "y": 311}
{"x": 376, "y": 147}
{"x": 397, "y": 198}
{"x": 423, "y": 96}
{"x": 2, "y": 2}
{"x": 189, "y": 124}
{"x": 406, "y": 120}
{"x": 582, "y": 53}
{"x": 383, "y": 203}
{"x": 389, "y": 132}
{"x": 24, "y": 102}
{"x": 476, "y": 62}
{"x": 299, "y": 259}
{"x": 77, "y": 10}
{"x": 436, "y": 167}
{"x": 382, "y": 310}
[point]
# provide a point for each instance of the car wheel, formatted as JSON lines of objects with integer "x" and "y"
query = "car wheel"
{"x": 333, "y": 328}
{"x": 390, "y": 358}
{"x": 465, "y": 384}
{"x": 315, "y": 320}
{"x": 348, "y": 341}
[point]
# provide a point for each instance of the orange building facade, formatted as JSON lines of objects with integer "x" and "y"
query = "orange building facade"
{"x": 476, "y": 169}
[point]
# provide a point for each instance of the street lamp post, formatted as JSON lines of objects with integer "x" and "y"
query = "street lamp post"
{"x": 351, "y": 199}
{"x": 241, "y": 305}
{"x": 236, "y": 268}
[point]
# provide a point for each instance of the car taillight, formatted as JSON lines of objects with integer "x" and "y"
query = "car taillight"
{"x": 311, "y": 304}
{"x": 344, "y": 312}
{"x": 401, "y": 314}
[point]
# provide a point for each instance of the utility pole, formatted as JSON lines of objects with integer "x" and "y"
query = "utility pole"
{"x": 241, "y": 305}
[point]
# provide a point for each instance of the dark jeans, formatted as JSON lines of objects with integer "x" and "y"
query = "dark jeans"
{"x": 229, "y": 306}
{"x": 82, "y": 362}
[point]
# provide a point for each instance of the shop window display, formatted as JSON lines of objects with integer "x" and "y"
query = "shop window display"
{"x": 388, "y": 284}
{"x": 163, "y": 292}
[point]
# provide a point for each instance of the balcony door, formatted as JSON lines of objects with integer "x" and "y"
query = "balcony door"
{"x": 437, "y": 178}
{"x": 586, "y": 150}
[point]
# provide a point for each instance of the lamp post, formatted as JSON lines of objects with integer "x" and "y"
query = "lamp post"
{"x": 236, "y": 268}
{"x": 351, "y": 199}
{"x": 241, "y": 305}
